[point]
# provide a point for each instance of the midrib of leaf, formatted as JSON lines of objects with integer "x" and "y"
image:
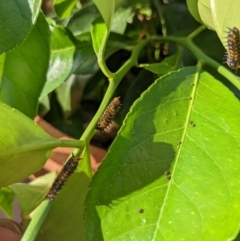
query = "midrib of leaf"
{"x": 2, "y": 63}
{"x": 193, "y": 95}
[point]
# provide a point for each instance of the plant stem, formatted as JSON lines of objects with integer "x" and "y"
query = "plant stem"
{"x": 196, "y": 32}
{"x": 104, "y": 68}
{"x": 39, "y": 217}
{"x": 113, "y": 84}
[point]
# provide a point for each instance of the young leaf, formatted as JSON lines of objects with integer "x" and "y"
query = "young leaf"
{"x": 23, "y": 70}
{"x": 99, "y": 34}
{"x": 23, "y": 148}
{"x": 169, "y": 64}
{"x": 174, "y": 169}
{"x": 16, "y": 20}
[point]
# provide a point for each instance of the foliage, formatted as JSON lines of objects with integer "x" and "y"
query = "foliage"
{"x": 172, "y": 173}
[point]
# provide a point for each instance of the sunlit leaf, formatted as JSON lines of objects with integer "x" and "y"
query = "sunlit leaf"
{"x": 173, "y": 168}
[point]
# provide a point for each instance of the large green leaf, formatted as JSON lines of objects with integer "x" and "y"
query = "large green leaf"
{"x": 64, "y": 8}
{"x": 65, "y": 221}
{"x": 23, "y": 148}
{"x": 16, "y": 20}
{"x": 23, "y": 70}
{"x": 174, "y": 172}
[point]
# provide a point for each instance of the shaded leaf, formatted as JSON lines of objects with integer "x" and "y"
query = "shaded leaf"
{"x": 7, "y": 201}
{"x": 174, "y": 168}
{"x": 178, "y": 19}
{"x": 82, "y": 20}
{"x": 63, "y": 93}
{"x": 30, "y": 195}
{"x": 64, "y": 8}
{"x": 16, "y": 20}
{"x": 169, "y": 64}
{"x": 121, "y": 18}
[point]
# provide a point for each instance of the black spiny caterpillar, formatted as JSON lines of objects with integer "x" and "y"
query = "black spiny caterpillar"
{"x": 233, "y": 49}
{"x": 66, "y": 171}
{"x": 109, "y": 114}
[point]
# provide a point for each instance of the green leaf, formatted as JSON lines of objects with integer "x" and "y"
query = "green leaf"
{"x": 173, "y": 168}
{"x": 64, "y": 94}
{"x": 68, "y": 56}
{"x": 82, "y": 20}
{"x": 121, "y": 18}
{"x": 23, "y": 70}
{"x": 193, "y": 9}
{"x": 23, "y": 146}
{"x": 169, "y": 64}
{"x": 16, "y": 20}
{"x": 30, "y": 195}
{"x": 178, "y": 19}
{"x": 99, "y": 34}
{"x": 225, "y": 17}
{"x": 106, "y": 8}
{"x": 7, "y": 201}
{"x": 65, "y": 221}
{"x": 62, "y": 58}
{"x": 64, "y": 8}
{"x": 205, "y": 13}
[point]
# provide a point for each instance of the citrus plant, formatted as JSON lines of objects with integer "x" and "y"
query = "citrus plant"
{"x": 172, "y": 172}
